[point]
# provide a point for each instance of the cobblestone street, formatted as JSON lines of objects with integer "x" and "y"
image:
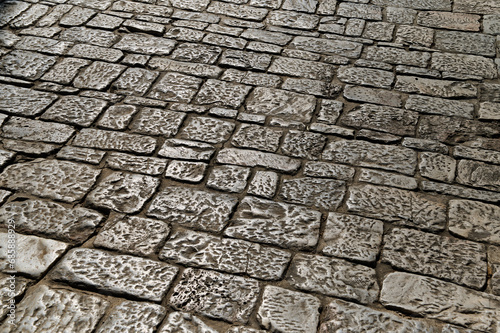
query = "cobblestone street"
{"x": 249, "y": 166}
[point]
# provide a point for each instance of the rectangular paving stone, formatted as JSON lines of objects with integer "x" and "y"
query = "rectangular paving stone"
{"x": 68, "y": 109}
{"x": 360, "y": 10}
{"x": 95, "y": 52}
{"x": 254, "y": 158}
{"x": 460, "y": 191}
{"x": 399, "y": 206}
{"x": 228, "y": 178}
{"x": 322, "y": 193}
{"x": 257, "y": 137}
{"x": 464, "y": 64}
{"x": 116, "y": 274}
{"x": 117, "y": 117}
{"x": 339, "y": 278}
{"x": 475, "y": 220}
{"x": 479, "y": 174}
{"x": 98, "y": 75}
{"x": 417, "y": 4}
{"x": 186, "y": 171}
{"x": 328, "y": 170}
{"x": 264, "y": 184}
{"x": 459, "y": 261}
{"x": 59, "y": 180}
{"x": 185, "y": 321}
{"x": 303, "y": 144}
{"x": 417, "y": 36}
{"x": 26, "y": 64}
{"x": 275, "y": 223}
{"x": 477, "y": 7}
{"x": 65, "y": 71}
{"x": 366, "y": 76}
{"x": 302, "y": 68}
{"x": 175, "y": 87}
{"x": 441, "y": 300}
{"x": 398, "y": 56}
{"x": 489, "y": 111}
{"x": 388, "y": 179}
{"x": 129, "y": 317}
{"x": 216, "y": 295}
{"x": 89, "y": 36}
{"x": 281, "y": 103}
{"x": 140, "y": 164}
{"x": 57, "y": 310}
{"x": 145, "y": 44}
{"x": 225, "y": 41}
{"x": 186, "y": 149}
{"x": 225, "y": 254}
{"x": 193, "y": 208}
{"x": 239, "y": 11}
{"x": 153, "y": 121}
{"x": 446, "y": 20}
{"x": 35, "y": 130}
{"x": 135, "y": 81}
{"x": 438, "y": 88}
{"x": 79, "y": 154}
{"x": 141, "y": 8}
{"x": 45, "y": 45}
{"x": 292, "y": 19}
{"x": 190, "y": 68}
{"x": 29, "y": 16}
{"x": 480, "y": 154}
{"x": 367, "y": 154}
{"x": 266, "y": 36}
{"x": 245, "y": 60}
{"x": 222, "y": 93}
{"x": 94, "y": 138}
{"x": 328, "y": 46}
{"x": 199, "y": 53}
{"x": 207, "y": 129}
{"x": 11, "y": 9}
{"x": 445, "y": 107}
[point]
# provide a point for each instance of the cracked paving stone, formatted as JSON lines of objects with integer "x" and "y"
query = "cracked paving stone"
{"x": 303, "y": 68}
{"x": 132, "y": 235}
{"x": 399, "y": 206}
{"x": 235, "y": 256}
{"x": 281, "y": 103}
{"x": 186, "y": 149}
{"x": 140, "y": 164}
{"x": 117, "y": 117}
{"x": 284, "y": 310}
{"x": 57, "y": 310}
{"x": 58, "y": 180}
{"x": 193, "y": 208}
{"x": 333, "y": 277}
{"x": 65, "y": 71}
{"x": 479, "y": 174}
{"x": 68, "y": 109}
{"x": 157, "y": 122}
{"x": 322, "y": 193}
{"x": 207, "y": 129}
{"x": 118, "y": 274}
{"x": 197, "y": 53}
{"x": 185, "y": 322}
{"x": 135, "y": 81}
{"x": 275, "y": 223}
{"x": 459, "y": 261}
{"x": 52, "y": 220}
{"x": 229, "y": 178}
{"x": 25, "y": 64}
{"x": 254, "y": 158}
{"x": 35, "y": 130}
{"x": 264, "y": 184}
{"x": 352, "y": 237}
{"x": 475, "y": 220}
{"x": 139, "y": 43}
{"x": 303, "y": 144}
{"x": 216, "y": 295}
{"x": 29, "y": 16}
{"x": 93, "y": 138}
{"x": 367, "y": 154}
{"x": 19, "y": 284}
{"x": 257, "y": 137}
{"x": 437, "y": 166}
{"x": 175, "y": 87}
{"x": 123, "y": 192}
{"x": 186, "y": 171}
{"x": 222, "y": 93}
{"x": 34, "y": 255}
{"x": 98, "y": 76}
{"x": 441, "y": 300}
{"x": 129, "y": 317}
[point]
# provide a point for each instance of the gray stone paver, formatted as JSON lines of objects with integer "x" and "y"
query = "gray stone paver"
{"x": 251, "y": 165}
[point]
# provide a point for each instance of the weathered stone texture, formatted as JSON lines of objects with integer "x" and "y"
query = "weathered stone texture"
{"x": 129, "y": 317}
{"x": 95, "y": 138}
{"x": 439, "y": 88}
{"x": 185, "y": 322}
{"x": 253, "y": 158}
{"x": 479, "y": 174}
{"x": 207, "y": 129}
{"x": 322, "y": 193}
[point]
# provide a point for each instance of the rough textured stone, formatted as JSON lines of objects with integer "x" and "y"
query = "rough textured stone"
{"x": 65, "y": 71}
{"x": 185, "y": 322}
{"x": 68, "y": 109}
{"x": 253, "y": 158}
{"x": 198, "y": 53}
{"x": 229, "y": 178}
{"x": 445, "y": 107}
{"x": 275, "y": 223}
{"x": 129, "y": 317}
{"x": 365, "y": 76}
{"x": 123, "y": 192}
{"x": 135, "y": 81}
{"x": 417, "y": 36}
{"x": 132, "y": 235}
{"x": 303, "y": 68}
{"x": 145, "y": 44}
{"x": 57, "y": 310}
{"x": 245, "y": 60}
{"x": 398, "y": 56}
{"x": 117, "y": 117}
{"x": 186, "y": 171}
{"x": 25, "y": 64}
{"x": 489, "y": 111}
{"x": 45, "y": 45}
{"x": 460, "y": 191}
{"x": 222, "y": 93}
{"x": 191, "y": 68}
{"x": 90, "y": 36}
{"x": 371, "y": 155}
{"x": 352, "y": 237}
{"x": 458, "y": 261}
{"x": 193, "y": 208}
{"x": 388, "y": 179}
{"x": 399, "y": 206}
{"x": 292, "y": 19}
{"x": 228, "y": 255}
{"x": 11, "y": 286}
{"x": 157, "y": 122}
{"x": 185, "y": 149}
{"x": 455, "y": 21}
{"x": 257, "y": 137}
{"x": 264, "y": 184}
{"x": 216, "y": 295}
{"x": 175, "y": 87}
{"x": 441, "y": 300}
{"x": 479, "y": 174}
{"x": 465, "y": 64}
{"x": 439, "y": 88}
{"x": 22, "y": 101}
{"x": 437, "y": 166}
{"x": 328, "y": 46}
{"x": 328, "y": 170}
{"x": 207, "y": 129}
{"x": 477, "y": 7}
{"x": 94, "y": 138}
{"x": 117, "y": 274}
{"x": 140, "y": 164}
{"x": 59, "y": 180}
{"x": 98, "y": 76}
{"x": 322, "y": 193}
{"x": 78, "y": 154}
{"x": 303, "y": 144}
{"x": 283, "y": 310}
{"x": 34, "y": 130}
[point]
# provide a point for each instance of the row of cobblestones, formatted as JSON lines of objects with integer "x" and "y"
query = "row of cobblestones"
{"x": 246, "y": 166}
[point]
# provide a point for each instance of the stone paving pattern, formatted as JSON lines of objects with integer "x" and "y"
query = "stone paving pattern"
{"x": 249, "y": 166}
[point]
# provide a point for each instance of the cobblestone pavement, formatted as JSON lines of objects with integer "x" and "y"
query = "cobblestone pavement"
{"x": 246, "y": 166}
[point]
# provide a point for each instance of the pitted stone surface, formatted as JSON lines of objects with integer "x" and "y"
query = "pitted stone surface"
{"x": 207, "y": 129}
{"x": 185, "y": 322}
{"x": 229, "y": 178}
{"x": 98, "y": 75}
{"x": 128, "y": 317}
{"x": 186, "y": 149}
{"x": 11, "y": 286}
{"x": 303, "y": 144}
{"x": 118, "y": 274}
{"x": 68, "y": 109}
{"x": 322, "y": 193}
{"x": 264, "y": 184}
{"x": 276, "y": 223}
{"x": 175, "y": 87}
{"x": 58, "y": 311}
{"x": 139, "y": 164}
{"x": 138, "y": 43}
{"x": 157, "y": 122}
{"x": 222, "y": 93}
{"x": 257, "y": 137}
{"x": 35, "y": 130}
{"x": 26, "y": 64}
{"x": 192, "y": 208}
{"x": 186, "y": 171}
{"x": 101, "y": 139}
{"x": 22, "y": 101}
{"x": 216, "y": 295}
{"x": 479, "y": 174}
{"x": 253, "y": 158}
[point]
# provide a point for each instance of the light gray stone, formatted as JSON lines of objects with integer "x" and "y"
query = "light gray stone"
{"x": 104, "y": 21}
{"x": 186, "y": 171}
{"x": 245, "y": 60}
{"x": 264, "y": 184}
{"x": 439, "y": 88}
{"x": 292, "y": 19}
{"x": 22, "y": 101}
{"x": 186, "y": 149}
{"x": 141, "y": 8}
{"x": 190, "y": 68}
{"x": 139, "y": 43}
{"x": 358, "y": 10}
{"x": 480, "y": 7}
{"x": 489, "y": 111}
{"x": 207, "y": 129}
{"x": 185, "y": 322}
{"x": 175, "y": 87}
{"x": 302, "y": 68}
{"x": 328, "y": 46}
{"x": 229, "y": 178}
{"x": 284, "y": 310}
{"x": 322, "y": 193}
{"x": 77, "y": 16}
{"x": 129, "y": 317}
{"x": 417, "y": 4}
{"x": 484, "y": 155}
{"x": 254, "y": 158}
{"x": 328, "y": 170}
{"x": 437, "y": 166}
{"x": 465, "y": 64}
{"x": 257, "y": 137}
{"x": 381, "y": 31}
{"x": 239, "y": 11}
{"x": 303, "y": 144}
{"x": 460, "y": 191}
{"x": 45, "y": 45}
{"x": 35, "y": 130}
{"x": 26, "y": 65}
{"x": 89, "y": 36}
{"x": 275, "y": 223}
{"x": 135, "y": 81}
{"x": 387, "y": 178}
{"x": 491, "y": 24}
{"x": 365, "y": 76}
{"x": 423, "y": 144}
{"x": 11, "y": 286}
{"x": 94, "y": 138}
{"x": 198, "y": 53}
{"x": 30, "y": 16}
{"x": 445, "y": 107}
{"x": 416, "y": 36}
{"x": 68, "y": 109}
{"x": 11, "y": 9}
{"x": 65, "y": 71}
{"x": 398, "y": 56}
{"x": 152, "y": 121}
{"x": 479, "y": 174}
{"x": 98, "y": 75}
{"x": 447, "y": 20}
{"x": 222, "y": 93}
{"x": 140, "y": 164}
{"x": 79, "y": 154}
{"x": 117, "y": 117}
{"x": 266, "y": 36}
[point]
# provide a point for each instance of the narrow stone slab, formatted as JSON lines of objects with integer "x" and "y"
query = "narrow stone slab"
{"x": 475, "y": 220}
{"x": 464, "y": 64}
{"x": 477, "y": 7}
{"x": 23, "y": 101}
{"x": 460, "y": 191}
{"x": 129, "y": 317}
{"x": 338, "y": 278}
{"x": 186, "y": 149}
{"x": 417, "y": 4}
{"x": 117, "y": 274}
{"x": 94, "y": 138}
{"x": 366, "y": 76}
{"x": 193, "y": 208}
{"x": 256, "y": 158}
{"x": 303, "y": 68}
{"x": 51, "y": 220}
{"x": 35, "y": 130}
{"x": 439, "y": 88}
{"x": 367, "y": 154}
{"x": 140, "y": 164}
{"x": 328, "y": 46}
{"x": 398, "y": 56}
{"x": 292, "y": 19}
{"x": 399, "y": 206}
{"x": 216, "y": 295}
{"x": 57, "y": 310}
{"x": 123, "y": 192}
{"x": 139, "y": 43}
{"x": 445, "y": 107}
{"x": 239, "y": 11}
{"x": 458, "y": 261}
{"x": 283, "y": 310}
{"x": 59, "y": 180}
{"x": 479, "y": 174}
{"x": 225, "y": 254}
{"x": 455, "y": 21}
{"x": 276, "y": 223}
{"x": 441, "y": 300}
{"x": 190, "y": 68}
{"x": 322, "y": 193}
